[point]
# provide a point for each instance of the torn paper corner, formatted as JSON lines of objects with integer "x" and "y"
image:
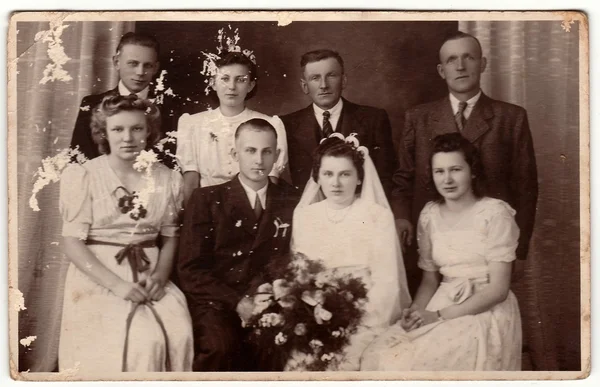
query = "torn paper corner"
{"x": 26, "y": 342}
{"x": 284, "y": 19}
{"x": 16, "y": 299}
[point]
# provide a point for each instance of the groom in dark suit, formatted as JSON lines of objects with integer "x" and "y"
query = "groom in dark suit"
{"x": 323, "y": 79}
{"x": 136, "y": 61}
{"x": 500, "y": 131}
{"x": 230, "y": 233}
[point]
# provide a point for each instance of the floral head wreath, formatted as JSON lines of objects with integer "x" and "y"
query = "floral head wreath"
{"x": 352, "y": 140}
{"x": 226, "y": 44}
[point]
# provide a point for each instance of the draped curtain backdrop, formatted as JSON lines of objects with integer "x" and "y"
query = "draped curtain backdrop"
{"x": 536, "y": 65}
{"x": 45, "y": 119}
{"x": 532, "y": 64}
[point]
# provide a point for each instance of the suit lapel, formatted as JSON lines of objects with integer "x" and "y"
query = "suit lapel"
{"x": 308, "y": 131}
{"x": 239, "y": 206}
{"x": 349, "y": 120}
{"x": 443, "y": 118}
{"x": 477, "y": 123}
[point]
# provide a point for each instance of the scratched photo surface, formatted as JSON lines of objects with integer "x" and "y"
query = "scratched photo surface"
{"x": 390, "y": 63}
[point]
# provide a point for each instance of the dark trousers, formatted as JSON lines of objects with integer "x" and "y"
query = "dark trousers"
{"x": 218, "y": 336}
{"x": 221, "y": 344}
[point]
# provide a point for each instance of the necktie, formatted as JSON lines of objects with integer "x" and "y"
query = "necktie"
{"x": 327, "y": 128}
{"x": 459, "y": 116}
{"x": 258, "y": 210}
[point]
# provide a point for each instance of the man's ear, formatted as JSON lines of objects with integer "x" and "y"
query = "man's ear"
{"x": 234, "y": 154}
{"x": 115, "y": 60}
{"x": 440, "y": 70}
{"x": 344, "y": 81}
{"x": 483, "y": 64}
{"x": 304, "y": 86}
{"x": 277, "y": 152}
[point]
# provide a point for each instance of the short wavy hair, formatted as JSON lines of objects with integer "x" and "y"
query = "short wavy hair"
{"x": 455, "y": 142}
{"x": 235, "y": 57}
{"x": 113, "y": 104}
{"x": 336, "y": 147}
{"x": 319, "y": 55}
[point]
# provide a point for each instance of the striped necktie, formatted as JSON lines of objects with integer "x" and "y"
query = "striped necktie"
{"x": 327, "y": 128}
{"x": 459, "y": 117}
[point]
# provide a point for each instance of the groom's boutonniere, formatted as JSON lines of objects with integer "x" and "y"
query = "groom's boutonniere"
{"x": 279, "y": 225}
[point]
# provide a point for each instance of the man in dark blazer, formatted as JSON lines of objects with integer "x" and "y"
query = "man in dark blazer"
{"x": 136, "y": 61}
{"x": 500, "y": 131}
{"x": 323, "y": 79}
{"x": 226, "y": 243}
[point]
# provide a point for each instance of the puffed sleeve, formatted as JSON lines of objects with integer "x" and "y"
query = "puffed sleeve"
{"x": 186, "y": 146}
{"x": 282, "y": 161}
{"x": 75, "y": 203}
{"x": 502, "y": 232}
{"x": 424, "y": 239}
{"x": 171, "y": 221}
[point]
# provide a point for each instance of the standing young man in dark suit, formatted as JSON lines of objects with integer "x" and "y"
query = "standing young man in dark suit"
{"x": 230, "y": 233}
{"x": 323, "y": 79}
{"x": 500, "y": 131}
{"x": 136, "y": 61}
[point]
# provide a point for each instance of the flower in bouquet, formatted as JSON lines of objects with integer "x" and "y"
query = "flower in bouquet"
{"x": 308, "y": 313}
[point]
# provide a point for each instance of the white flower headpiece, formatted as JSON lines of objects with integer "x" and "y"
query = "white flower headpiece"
{"x": 352, "y": 140}
{"x": 225, "y": 44}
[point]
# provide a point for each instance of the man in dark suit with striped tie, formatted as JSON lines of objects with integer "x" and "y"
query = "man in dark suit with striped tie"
{"x": 323, "y": 79}
{"x": 500, "y": 131}
{"x": 136, "y": 61}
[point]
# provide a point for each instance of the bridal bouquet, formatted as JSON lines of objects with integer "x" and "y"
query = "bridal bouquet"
{"x": 307, "y": 314}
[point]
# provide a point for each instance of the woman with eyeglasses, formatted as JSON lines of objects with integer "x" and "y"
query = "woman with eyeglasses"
{"x": 205, "y": 139}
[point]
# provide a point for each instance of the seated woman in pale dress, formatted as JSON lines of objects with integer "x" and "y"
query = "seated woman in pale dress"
{"x": 205, "y": 140}
{"x": 464, "y": 316}
{"x": 120, "y": 311}
{"x": 344, "y": 220}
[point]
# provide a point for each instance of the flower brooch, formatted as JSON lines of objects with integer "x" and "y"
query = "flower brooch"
{"x": 128, "y": 203}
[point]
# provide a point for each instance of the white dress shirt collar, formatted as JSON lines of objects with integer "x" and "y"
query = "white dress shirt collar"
{"x": 335, "y": 111}
{"x": 470, "y": 104}
{"x": 262, "y": 194}
{"x": 123, "y": 90}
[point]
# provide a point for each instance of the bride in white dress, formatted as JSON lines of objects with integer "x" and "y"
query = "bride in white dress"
{"x": 344, "y": 220}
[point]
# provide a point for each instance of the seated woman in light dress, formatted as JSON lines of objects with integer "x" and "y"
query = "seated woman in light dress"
{"x": 120, "y": 311}
{"x": 205, "y": 140}
{"x": 464, "y": 316}
{"x": 344, "y": 219}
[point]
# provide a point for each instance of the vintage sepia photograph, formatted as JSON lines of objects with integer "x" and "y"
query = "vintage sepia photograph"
{"x": 298, "y": 195}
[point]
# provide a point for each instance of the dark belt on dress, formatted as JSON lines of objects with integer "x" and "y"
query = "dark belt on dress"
{"x": 139, "y": 262}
